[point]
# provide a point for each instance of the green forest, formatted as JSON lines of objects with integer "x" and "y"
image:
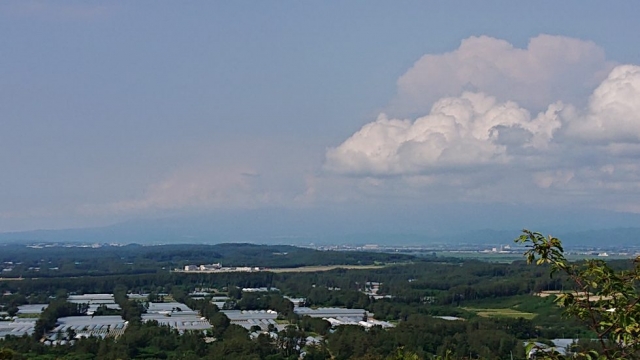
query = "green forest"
{"x": 58, "y": 261}
{"x": 496, "y": 305}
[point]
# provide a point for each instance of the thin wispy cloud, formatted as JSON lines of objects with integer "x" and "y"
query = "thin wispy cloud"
{"x": 549, "y": 69}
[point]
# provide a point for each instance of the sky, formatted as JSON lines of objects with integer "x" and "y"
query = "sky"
{"x": 382, "y": 116}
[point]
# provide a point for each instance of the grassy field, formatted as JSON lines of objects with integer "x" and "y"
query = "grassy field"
{"x": 510, "y": 313}
{"x": 323, "y": 268}
{"x": 28, "y": 316}
{"x": 525, "y": 306}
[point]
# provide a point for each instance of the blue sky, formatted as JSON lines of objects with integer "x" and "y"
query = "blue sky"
{"x": 115, "y": 111}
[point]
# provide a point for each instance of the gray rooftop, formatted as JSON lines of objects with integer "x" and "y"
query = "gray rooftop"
{"x": 245, "y": 315}
{"x": 169, "y": 308}
{"x": 138, "y": 296}
{"x": 90, "y": 297}
{"x": 100, "y": 326}
{"x": 179, "y": 321}
{"x": 330, "y": 312}
{"x": 18, "y": 327}
{"x": 32, "y": 308}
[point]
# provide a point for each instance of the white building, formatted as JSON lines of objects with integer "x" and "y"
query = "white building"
{"x": 210, "y": 267}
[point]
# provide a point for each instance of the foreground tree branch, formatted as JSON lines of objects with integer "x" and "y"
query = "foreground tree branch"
{"x": 605, "y": 300}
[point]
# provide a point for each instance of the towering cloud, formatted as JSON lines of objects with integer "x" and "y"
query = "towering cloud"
{"x": 474, "y": 130}
{"x": 551, "y": 68}
{"x": 578, "y": 148}
{"x": 613, "y": 114}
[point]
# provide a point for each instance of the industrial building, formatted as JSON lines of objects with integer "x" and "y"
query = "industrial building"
{"x": 340, "y": 316}
{"x": 219, "y": 301}
{"x": 91, "y": 299}
{"x": 331, "y": 312}
{"x": 86, "y": 326}
{"x": 297, "y": 302}
{"x": 17, "y": 327}
{"x": 94, "y": 301}
{"x": 32, "y": 308}
{"x": 176, "y": 315}
{"x": 250, "y": 318}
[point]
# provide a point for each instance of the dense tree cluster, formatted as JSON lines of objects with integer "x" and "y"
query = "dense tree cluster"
{"x": 56, "y": 309}
{"x": 130, "y": 310}
{"x": 257, "y": 301}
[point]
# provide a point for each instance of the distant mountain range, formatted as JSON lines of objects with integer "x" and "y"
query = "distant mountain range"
{"x": 209, "y": 232}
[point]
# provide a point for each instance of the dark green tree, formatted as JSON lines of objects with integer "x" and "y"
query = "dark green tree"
{"x": 606, "y": 300}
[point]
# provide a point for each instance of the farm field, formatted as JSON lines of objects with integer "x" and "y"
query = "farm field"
{"x": 508, "y": 313}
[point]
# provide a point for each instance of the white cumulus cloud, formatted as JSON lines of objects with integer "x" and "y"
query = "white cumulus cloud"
{"x": 551, "y": 68}
{"x": 471, "y": 130}
{"x": 613, "y": 113}
{"x": 555, "y": 122}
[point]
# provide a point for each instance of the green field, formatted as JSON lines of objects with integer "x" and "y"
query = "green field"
{"x": 524, "y": 306}
{"x": 28, "y": 316}
{"x": 509, "y": 313}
